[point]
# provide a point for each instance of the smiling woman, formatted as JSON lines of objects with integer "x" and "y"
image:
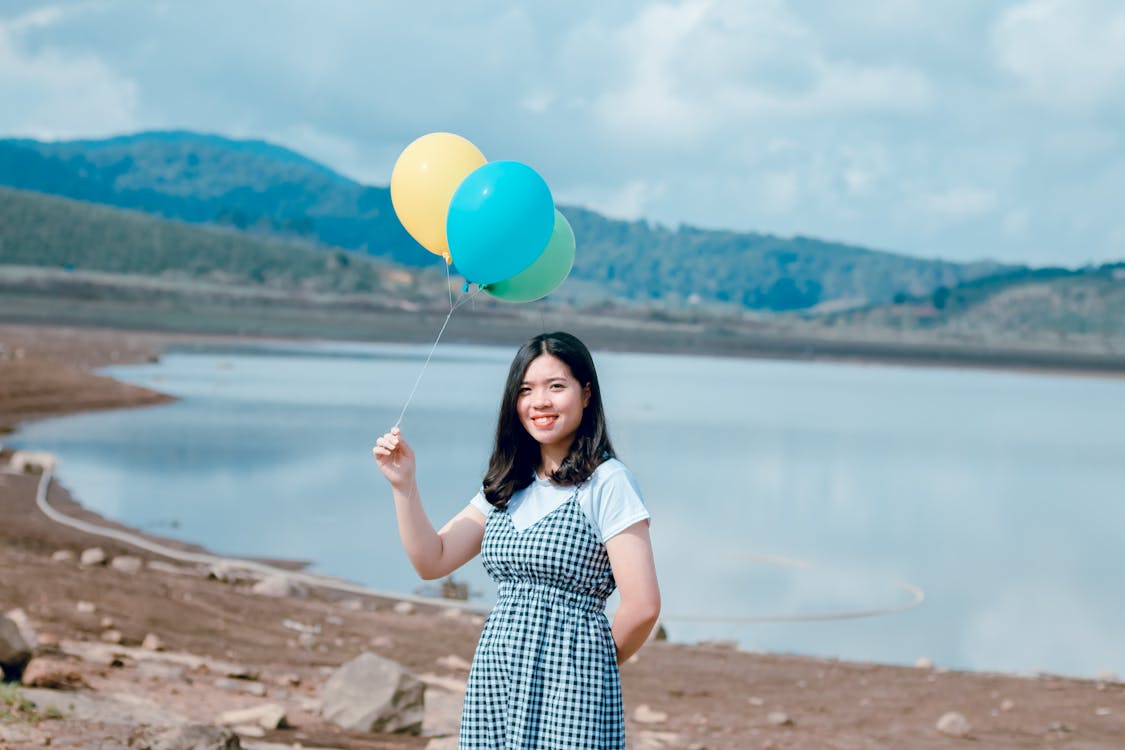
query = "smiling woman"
{"x": 560, "y": 525}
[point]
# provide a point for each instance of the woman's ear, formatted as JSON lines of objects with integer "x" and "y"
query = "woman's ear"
{"x": 585, "y": 395}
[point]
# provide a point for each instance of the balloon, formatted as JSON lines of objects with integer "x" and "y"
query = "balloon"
{"x": 423, "y": 181}
{"x": 544, "y": 275}
{"x": 499, "y": 221}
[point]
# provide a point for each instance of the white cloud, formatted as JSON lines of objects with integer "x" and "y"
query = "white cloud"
{"x": 52, "y": 93}
{"x": 1066, "y": 54}
{"x": 699, "y": 67}
{"x": 958, "y": 203}
{"x": 629, "y": 201}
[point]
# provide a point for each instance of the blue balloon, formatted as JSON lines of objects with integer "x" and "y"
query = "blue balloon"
{"x": 500, "y": 220}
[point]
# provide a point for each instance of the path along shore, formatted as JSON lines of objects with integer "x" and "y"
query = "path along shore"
{"x": 677, "y": 696}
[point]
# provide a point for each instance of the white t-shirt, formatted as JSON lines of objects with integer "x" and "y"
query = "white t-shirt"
{"x": 610, "y": 499}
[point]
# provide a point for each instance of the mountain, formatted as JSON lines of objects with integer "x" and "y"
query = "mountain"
{"x": 264, "y": 189}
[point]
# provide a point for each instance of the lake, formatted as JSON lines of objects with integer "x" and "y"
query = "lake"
{"x": 787, "y": 490}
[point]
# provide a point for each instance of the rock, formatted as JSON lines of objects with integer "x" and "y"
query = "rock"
{"x": 249, "y": 730}
{"x": 159, "y": 566}
{"x": 85, "y": 608}
{"x": 62, "y": 556}
{"x": 645, "y": 715}
{"x": 454, "y": 662}
{"x": 106, "y": 623}
{"x": 92, "y": 556}
{"x": 381, "y": 641}
{"x": 52, "y": 673}
{"x": 157, "y": 671}
{"x": 352, "y": 605}
{"x": 779, "y": 719}
{"x": 112, "y": 636}
{"x": 277, "y": 586}
{"x": 954, "y": 724}
{"x": 924, "y": 662}
{"x": 115, "y": 708}
{"x": 23, "y": 624}
{"x": 442, "y": 712}
{"x": 650, "y": 740}
{"x": 756, "y": 701}
{"x": 256, "y": 689}
{"x": 1007, "y": 704}
{"x": 290, "y": 679}
{"x": 127, "y": 564}
{"x": 30, "y": 462}
{"x": 228, "y": 573}
{"x": 267, "y": 716}
{"x": 1107, "y": 676}
{"x": 152, "y": 642}
{"x": 196, "y": 737}
{"x": 1103, "y": 711}
{"x": 404, "y": 608}
{"x": 659, "y": 633}
{"x": 373, "y": 694}
{"x": 15, "y": 652}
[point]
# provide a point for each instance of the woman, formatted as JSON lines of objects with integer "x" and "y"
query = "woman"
{"x": 560, "y": 524}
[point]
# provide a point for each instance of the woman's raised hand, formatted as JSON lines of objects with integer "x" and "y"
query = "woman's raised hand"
{"x": 395, "y": 459}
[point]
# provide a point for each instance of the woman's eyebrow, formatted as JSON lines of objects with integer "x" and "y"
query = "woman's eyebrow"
{"x": 548, "y": 380}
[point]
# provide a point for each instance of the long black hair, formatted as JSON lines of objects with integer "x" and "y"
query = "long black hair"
{"x": 516, "y": 454}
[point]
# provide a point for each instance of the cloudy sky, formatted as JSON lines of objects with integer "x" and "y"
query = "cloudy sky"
{"x": 961, "y": 129}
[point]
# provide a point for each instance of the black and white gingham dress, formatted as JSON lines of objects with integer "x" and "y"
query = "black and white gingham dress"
{"x": 545, "y": 671}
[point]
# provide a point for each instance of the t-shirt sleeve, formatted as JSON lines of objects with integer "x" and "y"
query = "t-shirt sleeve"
{"x": 480, "y": 503}
{"x": 617, "y": 503}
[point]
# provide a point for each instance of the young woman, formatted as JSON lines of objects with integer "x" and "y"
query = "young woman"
{"x": 559, "y": 524}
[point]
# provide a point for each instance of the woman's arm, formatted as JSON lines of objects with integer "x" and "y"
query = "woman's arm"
{"x": 434, "y": 554}
{"x": 630, "y": 556}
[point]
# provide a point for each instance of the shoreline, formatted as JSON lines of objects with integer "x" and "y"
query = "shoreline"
{"x": 713, "y": 695}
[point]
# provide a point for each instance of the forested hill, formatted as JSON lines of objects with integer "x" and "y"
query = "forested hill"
{"x": 261, "y": 188}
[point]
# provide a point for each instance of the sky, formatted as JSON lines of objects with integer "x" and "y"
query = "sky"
{"x": 960, "y": 129}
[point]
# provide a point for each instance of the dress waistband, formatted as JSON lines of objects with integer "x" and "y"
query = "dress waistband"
{"x": 509, "y": 590}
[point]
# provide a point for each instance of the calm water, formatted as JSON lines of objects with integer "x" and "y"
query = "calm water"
{"x": 777, "y": 488}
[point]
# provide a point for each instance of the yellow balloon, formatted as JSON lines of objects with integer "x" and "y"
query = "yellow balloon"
{"x": 426, "y": 175}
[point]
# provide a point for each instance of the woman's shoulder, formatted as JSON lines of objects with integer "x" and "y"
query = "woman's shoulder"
{"x": 610, "y": 467}
{"x": 613, "y": 475}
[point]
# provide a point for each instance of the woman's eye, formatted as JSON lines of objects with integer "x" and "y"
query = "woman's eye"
{"x": 557, "y": 386}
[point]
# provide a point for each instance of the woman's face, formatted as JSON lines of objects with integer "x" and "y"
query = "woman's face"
{"x": 551, "y": 401}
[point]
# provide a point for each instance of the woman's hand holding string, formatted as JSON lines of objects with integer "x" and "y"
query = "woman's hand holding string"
{"x": 395, "y": 459}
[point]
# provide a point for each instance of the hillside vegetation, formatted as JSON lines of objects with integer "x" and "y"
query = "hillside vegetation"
{"x": 41, "y": 230}
{"x": 1079, "y": 307}
{"x": 264, "y": 189}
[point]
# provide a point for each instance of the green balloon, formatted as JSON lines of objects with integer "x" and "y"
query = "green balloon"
{"x": 544, "y": 275}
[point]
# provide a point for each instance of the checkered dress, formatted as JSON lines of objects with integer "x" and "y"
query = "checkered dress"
{"x": 545, "y": 671}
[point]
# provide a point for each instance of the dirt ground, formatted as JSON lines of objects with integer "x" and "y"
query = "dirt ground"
{"x": 677, "y": 696}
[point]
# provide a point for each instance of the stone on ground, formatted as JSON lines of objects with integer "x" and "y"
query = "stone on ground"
{"x": 373, "y": 694}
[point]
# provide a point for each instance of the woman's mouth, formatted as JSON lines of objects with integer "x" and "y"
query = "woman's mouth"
{"x": 544, "y": 421}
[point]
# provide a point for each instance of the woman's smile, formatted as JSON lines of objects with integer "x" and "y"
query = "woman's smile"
{"x": 551, "y": 402}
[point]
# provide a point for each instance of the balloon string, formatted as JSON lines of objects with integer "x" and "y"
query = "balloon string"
{"x": 449, "y": 286}
{"x": 452, "y": 308}
{"x": 424, "y": 366}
